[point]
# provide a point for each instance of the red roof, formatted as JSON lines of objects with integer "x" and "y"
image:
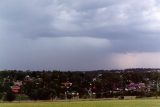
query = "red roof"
{"x": 15, "y": 89}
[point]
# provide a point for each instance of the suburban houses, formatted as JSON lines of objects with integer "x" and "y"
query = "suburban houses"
{"x": 74, "y": 85}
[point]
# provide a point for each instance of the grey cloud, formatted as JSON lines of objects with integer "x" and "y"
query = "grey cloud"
{"x": 76, "y": 31}
{"x": 58, "y": 53}
{"x": 61, "y": 18}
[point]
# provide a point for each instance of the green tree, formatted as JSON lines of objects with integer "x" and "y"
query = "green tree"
{"x": 9, "y": 96}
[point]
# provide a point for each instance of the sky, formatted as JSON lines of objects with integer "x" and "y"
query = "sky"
{"x": 79, "y": 34}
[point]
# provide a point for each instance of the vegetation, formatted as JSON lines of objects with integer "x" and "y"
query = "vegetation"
{"x": 46, "y": 85}
{"x": 103, "y": 103}
{"x": 9, "y": 96}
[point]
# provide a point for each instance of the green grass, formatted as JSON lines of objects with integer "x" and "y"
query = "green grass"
{"x": 102, "y": 103}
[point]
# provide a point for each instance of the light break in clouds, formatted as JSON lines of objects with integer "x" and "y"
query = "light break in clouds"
{"x": 79, "y": 34}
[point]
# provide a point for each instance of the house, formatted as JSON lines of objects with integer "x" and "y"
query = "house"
{"x": 136, "y": 86}
{"x": 66, "y": 84}
{"x": 16, "y": 87}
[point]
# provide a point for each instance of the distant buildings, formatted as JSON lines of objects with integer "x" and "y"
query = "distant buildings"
{"x": 16, "y": 88}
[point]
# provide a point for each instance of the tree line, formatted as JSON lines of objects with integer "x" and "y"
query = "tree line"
{"x": 47, "y": 85}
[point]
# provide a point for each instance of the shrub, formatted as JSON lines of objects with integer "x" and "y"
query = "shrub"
{"x": 9, "y": 96}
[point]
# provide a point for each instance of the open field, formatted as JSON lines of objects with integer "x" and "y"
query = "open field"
{"x": 103, "y": 103}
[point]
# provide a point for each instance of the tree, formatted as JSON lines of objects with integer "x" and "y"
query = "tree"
{"x": 9, "y": 96}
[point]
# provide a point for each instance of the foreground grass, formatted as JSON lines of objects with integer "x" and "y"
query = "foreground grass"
{"x": 103, "y": 103}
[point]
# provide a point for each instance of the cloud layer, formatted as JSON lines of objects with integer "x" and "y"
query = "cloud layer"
{"x": 79, "y": 35}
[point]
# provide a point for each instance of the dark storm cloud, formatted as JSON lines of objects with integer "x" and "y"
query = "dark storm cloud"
{"x": 76, "y": 34}
{"x": 123, "y": 20}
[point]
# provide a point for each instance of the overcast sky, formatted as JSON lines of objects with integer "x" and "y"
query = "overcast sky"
{"x": 79, "y": 34}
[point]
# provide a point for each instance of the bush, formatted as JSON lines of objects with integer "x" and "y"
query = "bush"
{"x": 121, "y": 97}
{"x": 1, "y": 95}
{"x": 43, "y": 94}
{"x": 22, "y": 97}
{"x": 9, "y": 96}
{"x": 85, "y": 96}
{"x": 40, "y": 94}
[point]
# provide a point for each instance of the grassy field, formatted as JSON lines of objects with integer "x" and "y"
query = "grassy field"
{"x": 102, "y": 103}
